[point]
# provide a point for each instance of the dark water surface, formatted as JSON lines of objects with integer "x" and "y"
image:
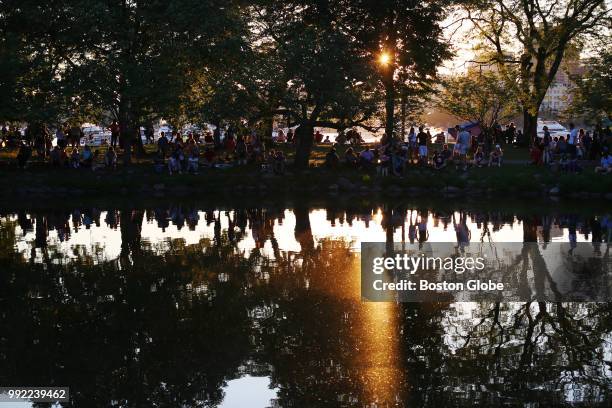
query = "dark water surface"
{"x": 176, "y": 305}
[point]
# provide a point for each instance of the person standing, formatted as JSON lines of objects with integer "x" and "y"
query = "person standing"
{"x": 463, "y": 144}
{"x": 422, "y": 141}
{"x": 150, "y": 134}
{"x": 572, "y": 140}
{"x": 546, "y": 142}
{"x": 76, "y": 133}
{"x": 114, "y": 129}
{"x": 162, "y": 144}
{"x": 60, "y": 137}
{"x": 510, "y": 133}
{"x": 217, "y": 137}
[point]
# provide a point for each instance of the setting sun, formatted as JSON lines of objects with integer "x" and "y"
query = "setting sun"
{"x": 384, "y": 58}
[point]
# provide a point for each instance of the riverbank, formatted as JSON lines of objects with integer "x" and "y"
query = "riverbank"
{"x": 514, "y": 180}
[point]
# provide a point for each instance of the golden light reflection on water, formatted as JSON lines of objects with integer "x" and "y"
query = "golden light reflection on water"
{"x": 382, "y": 375}
{"x": 375, "y": 333}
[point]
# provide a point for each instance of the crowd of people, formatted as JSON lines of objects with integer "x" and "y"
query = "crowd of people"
{"x": 188, "y": 153}
{"x": 567, "y": 151}
{"x": 392, "y": 155}
{"x": 179, "y": 154}
{"x": 484, "y": 149}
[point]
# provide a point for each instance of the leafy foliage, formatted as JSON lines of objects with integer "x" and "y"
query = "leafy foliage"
{"x": 593, "y": 95}
{"x": 479, "y": 97}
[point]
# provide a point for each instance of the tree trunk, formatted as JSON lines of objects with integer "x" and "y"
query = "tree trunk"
{"x": 403, "y": 118}
{"x": 303, "y": 231}
{"x": 305, "y": 135}
{"x": 126, "y": 126}
{"x": 139, "y": 147}
{"x": 389, "y": 103}
{"x": 269, "y": 130}
{"x": 530, "y": 127}
{"x": 131, "y": 230}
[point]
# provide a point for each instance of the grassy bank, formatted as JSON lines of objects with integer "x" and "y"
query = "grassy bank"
{"x": 140, "y": 179}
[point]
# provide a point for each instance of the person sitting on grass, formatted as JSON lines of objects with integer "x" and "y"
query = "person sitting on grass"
{"x": 446, "y": 153}
{"x": 574, "y": 167}
{"x": 564, "y": 163}
{"x": 110, "y": 158}
{"x": 605, "y": 165}
{"x": 398, "y": 161}
{"x": 75, "y": 161}
{"x": 208, "y": 138}
{"x": 279, "y": 162}
{"x": 256, "y": 150}
{"x": 496, "y": 156}
{"x": 159, "y": 162}
{"x": 366, "y": 159}
{"x": 55, "y": 157}
{"x": 24, "y": 154}
{"x": 332, "y": 159}
{"x": 87, "y": 157}
{"x": 536, "y": 155}
{"x": 209, "y": 157}
{"x": 479, "y": 157}
{"x": 350, "y": 158}
{"x": 382, "y": 164}
{"x": 438, "y": 160}
{"x": 230, "y": 145}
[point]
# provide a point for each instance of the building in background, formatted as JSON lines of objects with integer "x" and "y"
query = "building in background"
{"x": 559, "y": 95}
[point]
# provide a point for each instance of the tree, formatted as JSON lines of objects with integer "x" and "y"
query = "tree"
{"x": 29, "y": 89}
{"x": 592, "y": 97}
{"x": 478, "y": 97}
{"x": 527, "y": 41}
{"x": 403, "y": 39}
{"x": 132, "y": 59}
{"x": 323, "y": 79}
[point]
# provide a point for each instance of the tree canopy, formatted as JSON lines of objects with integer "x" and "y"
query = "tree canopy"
{"x": 478, "y": 97}
{"x": 311, "y": 63}
{"x": 527, "y": 41}
{"x": 593, "y": 94}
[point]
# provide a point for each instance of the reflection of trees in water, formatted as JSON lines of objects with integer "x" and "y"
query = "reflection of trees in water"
{"x": 171, "y": 327}
{"x": 539, "y": 353}
{"x": 161, "y": 330}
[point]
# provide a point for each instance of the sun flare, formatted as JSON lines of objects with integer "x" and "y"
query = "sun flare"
{"x": 384, "y": 58}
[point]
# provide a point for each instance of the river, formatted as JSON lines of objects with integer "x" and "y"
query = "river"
{"x": 191, "y": 304}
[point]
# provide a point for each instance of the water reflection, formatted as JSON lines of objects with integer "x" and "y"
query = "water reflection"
{"x": 168, "y": 306}
{"x": 271, "y": 230}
